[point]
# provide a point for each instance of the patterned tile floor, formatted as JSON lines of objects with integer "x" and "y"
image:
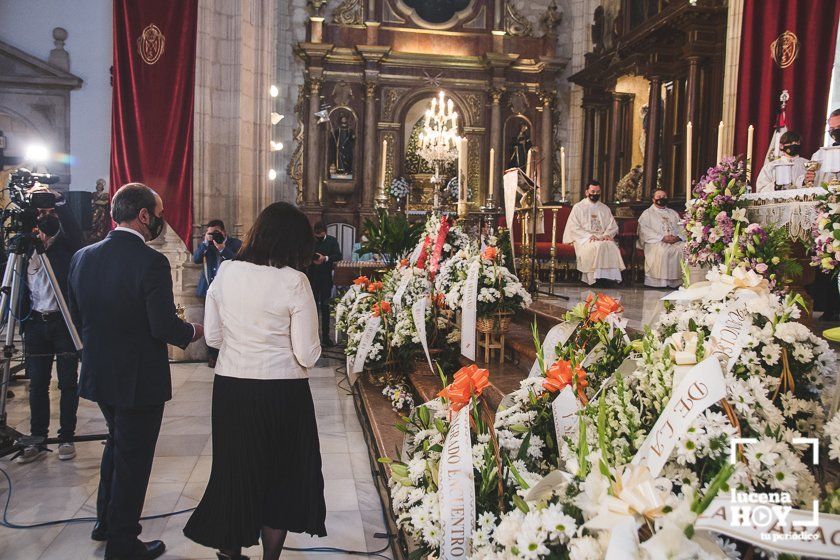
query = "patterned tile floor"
{"x": 52, "y": 489}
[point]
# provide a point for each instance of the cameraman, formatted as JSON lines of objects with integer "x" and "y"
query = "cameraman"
{"x": 46, "y": 336}
{"x": 216, "y": 248}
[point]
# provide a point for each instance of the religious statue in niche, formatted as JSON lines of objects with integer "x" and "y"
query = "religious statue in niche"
{"x": 437, "y": 11}
{"x": 343, "y": 146}
{"x": 519, "y": 148}
{"x": 101, "y": 213}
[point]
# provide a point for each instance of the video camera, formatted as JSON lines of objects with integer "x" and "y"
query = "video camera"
{"x": 22, "y": 214}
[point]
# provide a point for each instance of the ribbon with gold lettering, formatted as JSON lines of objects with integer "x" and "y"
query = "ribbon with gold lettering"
{"x": 775, "y": 527}
{"x": 365, "y": 343}
{"x": 469, "y": 310}
{"x": 457, "y": 489}
{"x": 729, "y": 333}
{"x": 702, "y": 387}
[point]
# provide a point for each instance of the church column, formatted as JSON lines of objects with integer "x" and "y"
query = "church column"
{"x": 587, "y": 167}
{"x": 496, "y": 143}
{"x": 546, "y": 148}
{"x": 692, "y": 87}
{"x": 369, "y": 178}
{"x": 612, "y": 160}
{"x": 313, "y": 171}
{"x": 653, "y": 135}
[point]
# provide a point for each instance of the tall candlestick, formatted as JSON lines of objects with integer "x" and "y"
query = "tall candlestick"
{"x": 462, "y": 169}
{"x": 384, "y": 160}
{"x": 688, "y": 136}
{"x": 750, "y": 131}
{"x": 562, "y": 172}
{"x": 554, "y": 228}
{"x": 492, "y": 171}
{"x": 720, "y": 142}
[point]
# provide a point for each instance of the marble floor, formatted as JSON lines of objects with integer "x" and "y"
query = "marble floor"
{"x": 641, "y": 305}
{"x": 51, "y": 489}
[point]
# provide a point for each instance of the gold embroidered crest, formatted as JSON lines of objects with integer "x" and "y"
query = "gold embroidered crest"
{"x": 784, "y": 49}
{"x": 150, "y": 44}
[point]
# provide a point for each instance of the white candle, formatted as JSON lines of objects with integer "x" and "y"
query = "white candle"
{"x": 563, "y": 172}
{"x": 492, "y": 170}
{"x": 688, "y": 134}
{"x": 720, "y": 142}
{"x": 384, "y": 159}
{"x": 528, "y": 162}
{"x": 777, "y": 151}
{"x": 750, "y": 131}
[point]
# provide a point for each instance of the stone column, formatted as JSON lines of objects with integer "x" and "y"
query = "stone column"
{"x": 586, "y": 169}
{"x": 612, "y": 162}
{"x": 497, "y": 144}
{"x": 313, "y": 171}
{"x": 369, "y": 169}
{"x": 653, "y": 135}
{"x": 546, "y": 147}
{"x": 692, "y": 87}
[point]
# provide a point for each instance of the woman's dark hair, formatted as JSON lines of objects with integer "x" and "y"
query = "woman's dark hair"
{"x": 281, "y": 236}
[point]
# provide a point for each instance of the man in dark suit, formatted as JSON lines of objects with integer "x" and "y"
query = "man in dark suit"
{"x": 216, "y": 248}
{"x": 320, "y": 272}
{"x": 45, "y": 334}
{"x": 120, "y": 295}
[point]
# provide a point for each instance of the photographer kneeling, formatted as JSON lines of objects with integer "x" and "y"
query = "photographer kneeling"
{"x": 45, "y": 335}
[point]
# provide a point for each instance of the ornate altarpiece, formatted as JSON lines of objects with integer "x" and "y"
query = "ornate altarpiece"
{"x": 382, "y": 61}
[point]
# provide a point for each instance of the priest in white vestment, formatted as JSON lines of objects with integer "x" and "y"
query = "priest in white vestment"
{"x": 822, "y": 175}
{"x": 661, "y": 238}
{"x": 592, "y": 229}
{"x": 786, "y": 171}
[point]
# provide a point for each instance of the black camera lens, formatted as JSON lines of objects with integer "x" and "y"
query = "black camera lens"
{"x": 218, "y": 237}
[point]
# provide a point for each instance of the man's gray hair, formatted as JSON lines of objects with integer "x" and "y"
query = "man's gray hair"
{"x": 130, "y": 199}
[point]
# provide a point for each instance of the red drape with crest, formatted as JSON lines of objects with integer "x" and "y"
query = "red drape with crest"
{"x": 152, "y": 108}
{"x": 785, "y": 44}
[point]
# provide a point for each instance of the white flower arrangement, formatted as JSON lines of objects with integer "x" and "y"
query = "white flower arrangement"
{"x": 399, "y": 188}
{"x": 400, "y": 396}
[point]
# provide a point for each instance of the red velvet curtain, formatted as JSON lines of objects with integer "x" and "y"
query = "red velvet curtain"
{"x": 152, "y": 108}
{"x": 807, "y": 53}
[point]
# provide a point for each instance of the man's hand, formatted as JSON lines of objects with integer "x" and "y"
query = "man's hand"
{"x": 219, "y": 246}
{"x": 593, "y": 238}
{"x": 319, "y": 259}
{"x": 199, "y": 331}
{"x": 670, "y": 239}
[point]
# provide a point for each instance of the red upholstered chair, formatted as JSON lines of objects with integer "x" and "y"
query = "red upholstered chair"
{"x": 565, "y": 251}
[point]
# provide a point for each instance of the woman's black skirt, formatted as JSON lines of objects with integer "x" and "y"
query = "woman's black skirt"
{"x": 266, "y": 464}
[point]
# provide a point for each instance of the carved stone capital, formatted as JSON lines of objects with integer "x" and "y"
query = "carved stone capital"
{"x": 370, "y": 88}
{"x": 546, "y": 97}
{"x": 496, "y": 95}
{"x": 315, "y": 84}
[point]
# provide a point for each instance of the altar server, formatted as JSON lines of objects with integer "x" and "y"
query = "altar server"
{"x": 592, "y": 228}
{"x": 661, "y": 238}
{"x": 820, "y": 176}
{"x": 773, "y": 176}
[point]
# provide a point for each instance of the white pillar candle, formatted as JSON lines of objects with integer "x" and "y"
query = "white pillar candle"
{"x": 750, "y": 132}
{"x": 720, "y": 142}
{"x": 384, "y": 158}
{"x": 528, "y": 162}
{"x": 492, "y": 171}
{"x": 688, "y": 134}
{"x": 563, "y": 172}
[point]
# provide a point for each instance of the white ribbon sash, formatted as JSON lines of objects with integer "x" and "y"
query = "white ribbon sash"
{"x": 594, "y": 355}
{"x": 457, "y": 489}
{"x": 702, "y": 387}
{"x": 558, "y": 334}
{"x": 351, "y": 375}
{"x": 418, "y": 313}
{"x": 359, "y": 298}
{"x": 624, "y": 541}
{"x": 565, "y": 411}
{"x": 365, "y": 343}
{"x": 469, "y": 311}
{"x": 735, "y": 520}
{"x": 729, "y": 333}
{"x": 415, "y": 254}
{"x": 398, "y": 295}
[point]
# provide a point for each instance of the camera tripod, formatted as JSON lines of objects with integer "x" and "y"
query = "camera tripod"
{"x": 21, "y": 248}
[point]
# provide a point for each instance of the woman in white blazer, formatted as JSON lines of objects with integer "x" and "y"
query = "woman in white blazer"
{"x": 260, "y": 312}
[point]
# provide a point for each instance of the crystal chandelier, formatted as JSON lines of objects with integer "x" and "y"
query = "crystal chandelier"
{"x": 438, "y": 140}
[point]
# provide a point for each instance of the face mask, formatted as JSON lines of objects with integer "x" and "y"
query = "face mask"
{"x": 835, "y": 134}
{"x": 49, "y": 225}
{"x": 594, "y": 197}
{"x": 792, "y": 150}
{"x": 661, "y": 201}
{"x": 155, "y": 226}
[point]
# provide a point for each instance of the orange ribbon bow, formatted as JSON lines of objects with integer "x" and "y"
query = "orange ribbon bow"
{"x": 602, "y": 306}
{"x": 561, "y": 375}
{"x": 361, "y": 281}
{"x": 468, "y": 381}
{"x": 374, "y": 287}
{"x": 490, "y": 253}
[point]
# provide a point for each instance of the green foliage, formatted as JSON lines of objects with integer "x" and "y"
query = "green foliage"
{"x": 390, "y": 236}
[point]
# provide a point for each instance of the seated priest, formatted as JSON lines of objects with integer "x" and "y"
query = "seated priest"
{"x": 788, "y": 170}
{"x": 821, "y": 175}
{"x": 660, "y": 236}
{"x": 592, "y": 229}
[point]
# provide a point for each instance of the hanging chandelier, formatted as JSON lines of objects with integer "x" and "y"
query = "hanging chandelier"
{"x": 439, "y": 137}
